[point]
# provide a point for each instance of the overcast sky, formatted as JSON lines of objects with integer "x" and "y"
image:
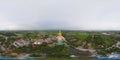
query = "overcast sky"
{"x": 60, "y": 14}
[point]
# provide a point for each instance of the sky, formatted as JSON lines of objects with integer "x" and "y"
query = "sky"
{"x": 59, "y": 14}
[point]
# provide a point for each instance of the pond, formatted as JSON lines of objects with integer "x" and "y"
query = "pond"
{"x": 112, "y": 56}
{"x": 48, "y": 58}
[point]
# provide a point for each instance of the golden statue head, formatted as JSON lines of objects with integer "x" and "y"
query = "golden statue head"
{"x": 59, "y": 34}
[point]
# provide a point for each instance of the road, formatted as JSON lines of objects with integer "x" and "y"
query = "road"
{"x": 76, "y": 52}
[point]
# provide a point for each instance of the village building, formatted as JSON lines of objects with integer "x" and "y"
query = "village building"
{"x": 38, "y": 41}
{"x": 118, "y": 44}
{"x": 20, "y": 43}
{"x": 105, "y": 33}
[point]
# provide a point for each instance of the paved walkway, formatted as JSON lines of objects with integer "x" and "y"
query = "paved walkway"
{"x": 82, "y": 49}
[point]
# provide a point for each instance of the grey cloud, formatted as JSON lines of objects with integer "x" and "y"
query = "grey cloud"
{"x": 60, "y": 14}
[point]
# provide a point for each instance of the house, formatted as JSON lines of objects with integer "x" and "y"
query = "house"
{"x": 117, "y": 44}
{"x": 20, "y": 43}
{"x": 105, "y": 33}
{"x": 38, "y": 41}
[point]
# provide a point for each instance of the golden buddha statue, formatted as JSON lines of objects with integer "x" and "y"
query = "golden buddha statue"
{"x": 60, "y": 38}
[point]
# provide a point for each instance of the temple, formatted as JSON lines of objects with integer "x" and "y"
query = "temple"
{"x": 60, "y": 39}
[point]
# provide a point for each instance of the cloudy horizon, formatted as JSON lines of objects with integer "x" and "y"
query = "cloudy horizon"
{"x": 59, "y": 14}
